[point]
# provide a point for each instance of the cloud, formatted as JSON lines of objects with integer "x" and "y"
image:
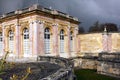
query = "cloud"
{"x": 88, "y": 11}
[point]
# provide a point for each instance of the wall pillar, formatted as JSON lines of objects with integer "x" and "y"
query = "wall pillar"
{"x": 55, "y": 40}
{"x": 17, "y": 40}
{"x": 41, "y": 39}
{"x": 31, "y": 37}
{"x": 68, "y": 42}
{"x": 35, "y": 38}
{"x": 3, "y": 31}
{"x": 107, "y": 42}
{"x": 104, "y": 42}
{"x": 75, "y": 39}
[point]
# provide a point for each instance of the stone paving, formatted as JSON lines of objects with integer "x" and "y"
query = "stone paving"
{"x": 39, "y": 70}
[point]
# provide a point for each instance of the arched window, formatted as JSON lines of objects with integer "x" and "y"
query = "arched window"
{"x": 11, "y": 41}
{"x": 47, "y": 40}
{"x": 62, "y": 41}
{"x": 26, "y": 45}
{"x": 71, "y": 41}
{"x": 1, "y": 42}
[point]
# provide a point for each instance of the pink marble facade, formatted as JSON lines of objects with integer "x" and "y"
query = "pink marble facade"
{"x": 107, "y": 42}
{"x": 55, "y": 40}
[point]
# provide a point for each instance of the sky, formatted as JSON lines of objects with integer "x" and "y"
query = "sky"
{"x": 87, "y": 11}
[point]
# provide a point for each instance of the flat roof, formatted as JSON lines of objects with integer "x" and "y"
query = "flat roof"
{"x": 39, "y": 10}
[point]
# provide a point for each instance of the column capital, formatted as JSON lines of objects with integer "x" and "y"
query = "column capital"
{"x": 55, "y": 24}
{"x": 37, "y": 21}
{"x": 3, "y": 27}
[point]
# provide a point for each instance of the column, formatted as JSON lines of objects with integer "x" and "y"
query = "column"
{"x": 76, "y": 39}
{"x": 31, "y": 37}
{"x": 55, "y": 40}
{"x": 68, "y": 42}
{"x": 17, "y": 40}
{"x": 109, "y": 40}
{"x": 105, "y": 42}
{"x": 41, "y": 38}
{"x": 35, "y": 39}
{"x": 3, "y": 31}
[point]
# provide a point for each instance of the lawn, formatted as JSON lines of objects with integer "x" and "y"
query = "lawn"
{"x": 86, "y": 74}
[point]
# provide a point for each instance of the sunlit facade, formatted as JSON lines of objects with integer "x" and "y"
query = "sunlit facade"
{"x": 37, "y": 31}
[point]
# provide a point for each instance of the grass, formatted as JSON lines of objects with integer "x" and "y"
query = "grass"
{"x": 86, "y": 74}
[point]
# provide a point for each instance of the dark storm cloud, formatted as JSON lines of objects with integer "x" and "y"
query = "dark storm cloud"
{"x": 88, "y": 11}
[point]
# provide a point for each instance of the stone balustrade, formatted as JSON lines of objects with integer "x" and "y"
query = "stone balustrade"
{"x": 86, "y": 62}
{"x": 65, "y": 73}
{"x": 109, "y": 64}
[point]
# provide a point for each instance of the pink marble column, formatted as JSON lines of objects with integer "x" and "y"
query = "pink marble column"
{"x": 35, "y": 37}
{"x": 3, "y": 31}
{"x": 68, "y": 31}
{"x": 75, "y": 39}
{"x": 31, "y": 37}
{"x": 55, "y": 40}
{"x": 105, "y": 42}
{"x": 109, "y": 40}
{"x": 78, "y": 45}
{"x": 17, "y": 46}
{"x": 41, "y": 38}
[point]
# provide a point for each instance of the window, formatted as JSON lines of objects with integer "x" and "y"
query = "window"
{"x": 1, "y": 42}
{"x": 47, "y": 40}
{"x": 62, "y": 41}
{"x": 26, "y": 45}
{"x": 11, "y": 41}
{"x": 71, "y": 41}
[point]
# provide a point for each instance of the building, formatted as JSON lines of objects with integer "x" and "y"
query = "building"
{"x": 38, "y": 31}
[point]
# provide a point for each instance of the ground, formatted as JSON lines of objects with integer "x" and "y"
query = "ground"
{"x": 86, "y": 74}
{"x": 39, "y": 70}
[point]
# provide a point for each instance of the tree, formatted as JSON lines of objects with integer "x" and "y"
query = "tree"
{"x": 95, "y": 27}
{"x": 81, "y": 30}
{"x": 111, "y": 27}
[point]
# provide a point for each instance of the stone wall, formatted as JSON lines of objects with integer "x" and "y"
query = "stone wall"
{"x": 85, "y": 62}
{"x": 98, "y": 42}
{"x": 65, "y": 73}
{"x": 109, "y": 64}
{"x": 90, "y": 43}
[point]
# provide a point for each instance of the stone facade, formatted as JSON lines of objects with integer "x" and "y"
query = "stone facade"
{"x": 85, "y": 62}
{"x": 28, "y": 34}
{"x": 37, "y": 31}
{"x": 109, "y": 64}
{"x": 64, "y": 73}
{"x": 93, "y": 43}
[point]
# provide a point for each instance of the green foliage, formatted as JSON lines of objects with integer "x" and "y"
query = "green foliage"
{"x": 86, "y": 74}
{"x": 81, "y": 30}
{"x": 2, "y": 62}
{"x": 97, "y": 27}
{"x": 15, "y": 77}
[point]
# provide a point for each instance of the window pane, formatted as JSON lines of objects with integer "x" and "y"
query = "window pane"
{"x": 26, "y": 45}
{"x": 62, "y": 41}
{"x": 47, "y": 40}
{"x": 1, "y": 43}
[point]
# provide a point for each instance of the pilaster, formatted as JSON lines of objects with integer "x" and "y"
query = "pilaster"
{"x": 105, "y": 42}
{"x": 68, "y": 42}
{"x": 55, "y": 40}
{"x": 17, "y": 40}
{"x": 41, "y": 38}
{"x": 75, "y": 39}
{"x": 31, "y": 37}
{"x": 3, "y": 32}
